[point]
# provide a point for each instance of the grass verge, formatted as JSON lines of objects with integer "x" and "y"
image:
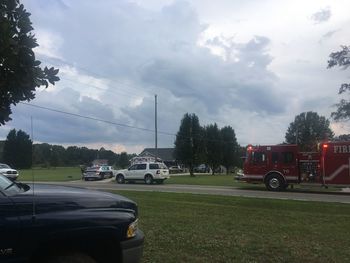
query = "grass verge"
{"x": 203, "y": 179}
{"x": 201, "y": 228}
{"x": 58, "y": 174}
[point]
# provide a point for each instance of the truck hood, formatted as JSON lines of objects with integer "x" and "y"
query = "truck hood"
{"x": 63, "y": 198}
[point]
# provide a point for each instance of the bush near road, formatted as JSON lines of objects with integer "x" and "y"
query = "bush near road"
{"x": 202, "y": 228}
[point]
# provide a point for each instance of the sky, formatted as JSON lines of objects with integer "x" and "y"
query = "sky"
{"x": 253, "y": 65}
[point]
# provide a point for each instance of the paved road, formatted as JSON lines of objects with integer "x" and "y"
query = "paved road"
{"x": 214, "y": 190}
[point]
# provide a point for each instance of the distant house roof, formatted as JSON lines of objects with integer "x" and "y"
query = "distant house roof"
{"x": 166, "y": 154}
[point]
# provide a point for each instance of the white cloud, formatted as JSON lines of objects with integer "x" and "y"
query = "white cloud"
{"x": 322, "y": 16}
{"x": 49, "y": 44}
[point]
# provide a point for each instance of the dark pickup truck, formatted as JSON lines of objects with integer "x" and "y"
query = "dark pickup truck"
{"x": 66, "y": 224}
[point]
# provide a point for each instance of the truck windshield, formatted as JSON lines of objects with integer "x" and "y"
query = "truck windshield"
{"x": 8, "y": 187}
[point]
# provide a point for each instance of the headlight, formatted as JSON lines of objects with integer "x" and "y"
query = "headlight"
{"x": 132, "y": 228}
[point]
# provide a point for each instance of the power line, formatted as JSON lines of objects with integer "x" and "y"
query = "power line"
{"x": 94, "y": 119}
{"x": 182, "y": 138}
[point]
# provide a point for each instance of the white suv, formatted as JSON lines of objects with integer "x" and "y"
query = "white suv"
{"x": 148, "y": 172}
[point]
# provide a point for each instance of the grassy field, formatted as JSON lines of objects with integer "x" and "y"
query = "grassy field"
{"x": 201, "y": 228}
{"x": 211, "y": 180}
{"x": 51, "y": 174}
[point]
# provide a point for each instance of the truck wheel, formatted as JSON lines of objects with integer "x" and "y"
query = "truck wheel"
{"x": 71, "y": 258}
{"x": 120, "y": 179}
{"x": 148, "y": 179}
{"x": 274, "y": 182}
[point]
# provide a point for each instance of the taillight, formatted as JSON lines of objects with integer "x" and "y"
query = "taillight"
{"x": 158, "y": 172}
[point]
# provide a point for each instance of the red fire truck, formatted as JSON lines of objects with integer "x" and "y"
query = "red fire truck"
{"x": 278, "y": 166}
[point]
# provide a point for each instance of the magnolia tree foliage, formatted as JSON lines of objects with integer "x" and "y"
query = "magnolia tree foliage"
{"x": 341, "y": 59}
{"x": 307, "y": 129}
{"x": 20, "y": 72}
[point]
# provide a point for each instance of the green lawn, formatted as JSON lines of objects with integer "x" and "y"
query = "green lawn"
{"x": 202, "y": 228}
{"x": 51, "y": 174}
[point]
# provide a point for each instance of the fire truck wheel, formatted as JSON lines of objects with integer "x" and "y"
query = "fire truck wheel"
{"x": 274, "y": 182}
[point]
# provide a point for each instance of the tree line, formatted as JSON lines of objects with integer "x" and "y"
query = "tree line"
{"x": 19, "y": 152}
{"x": 196, "y": 144}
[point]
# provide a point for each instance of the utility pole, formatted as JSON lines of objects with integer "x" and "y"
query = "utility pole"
{"x": 155, "y": 124}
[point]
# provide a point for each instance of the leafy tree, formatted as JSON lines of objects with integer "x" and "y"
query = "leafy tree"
{"x": 20, "y": 73}
{"x": 109, "y": 155}
{"x": 230, "y": 147}
{"x": 342, "y": 59}
{"x": 189, "y": 143}
{"x": 57, "y": 155}
{"x": 40, "y": 153}
{"x": 307, "y": 130}
{"x": 1, "y": 151}
{"x": 123, "y": 160}
{"x": 18, "y": 149}
{"x": 86, "y": 156}
{"x": 9, "y": 152}
{"x": 74, "y": 156}
{"x": 213, "y": 144}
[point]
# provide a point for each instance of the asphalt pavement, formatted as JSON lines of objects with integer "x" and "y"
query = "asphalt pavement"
{"x": 338, "y": 197}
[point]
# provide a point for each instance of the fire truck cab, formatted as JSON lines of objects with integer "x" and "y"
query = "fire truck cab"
{"x": 277, "y": 166}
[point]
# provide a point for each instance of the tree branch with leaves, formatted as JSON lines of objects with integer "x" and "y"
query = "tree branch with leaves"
{"x": 341, "y": 59}
{"x": 20, "y": 73}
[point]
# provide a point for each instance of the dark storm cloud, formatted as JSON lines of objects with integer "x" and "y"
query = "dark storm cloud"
{"x": 207, "y": 78}
{"x": 159, "y": 53}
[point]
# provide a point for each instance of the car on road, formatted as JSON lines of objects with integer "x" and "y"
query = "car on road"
{"x": 175, "y": 169}
{"x": 7, "y": 171}
{"x": 147, "y": 172}
{"x": 202, "y": 168}
{"x": 97, "y": 173}
{"x": 51, "y": 223}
